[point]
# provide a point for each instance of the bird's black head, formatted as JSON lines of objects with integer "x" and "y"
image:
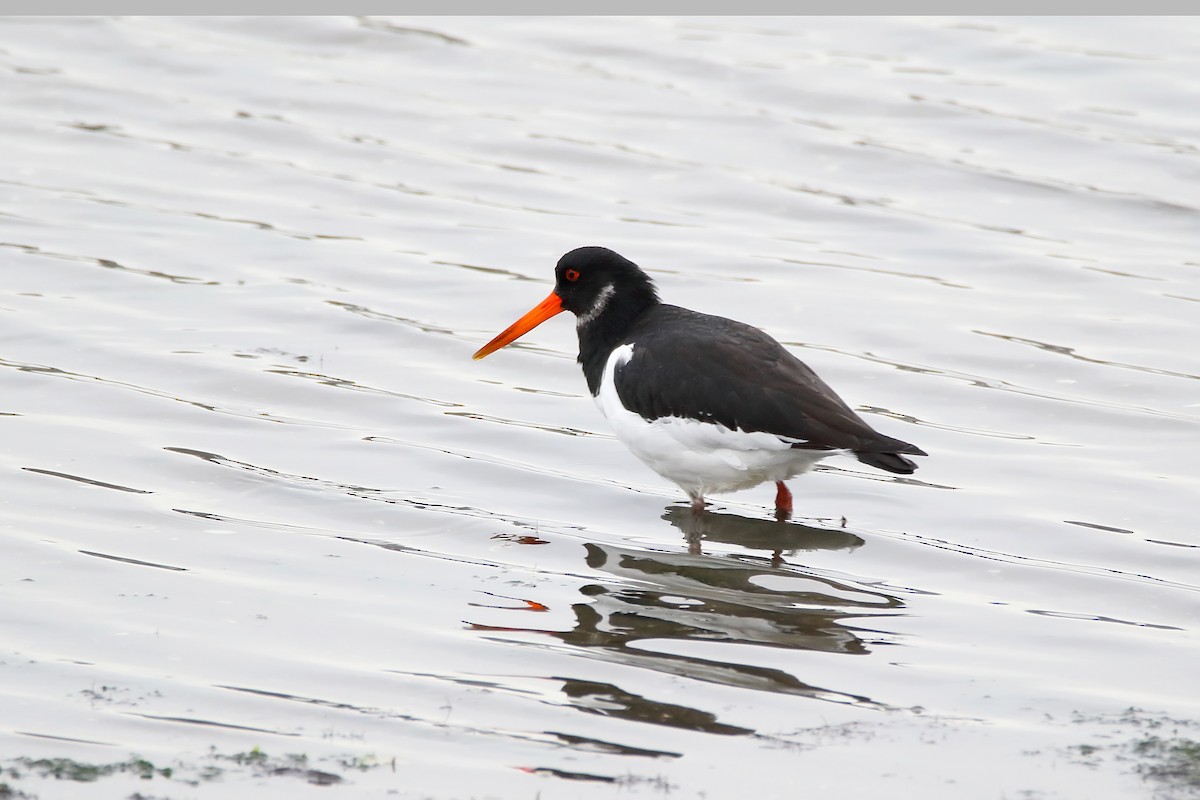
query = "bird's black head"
{"x": 606, "y": 293}
{"x": 590, "y": 280}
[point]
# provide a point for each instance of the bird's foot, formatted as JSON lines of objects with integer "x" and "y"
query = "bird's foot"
{"x": 783, "y": 501}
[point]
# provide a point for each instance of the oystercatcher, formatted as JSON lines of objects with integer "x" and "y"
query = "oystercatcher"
{"x": 711, "y": 404}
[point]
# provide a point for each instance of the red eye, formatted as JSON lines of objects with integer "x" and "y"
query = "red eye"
{"x": 572, "y": 275}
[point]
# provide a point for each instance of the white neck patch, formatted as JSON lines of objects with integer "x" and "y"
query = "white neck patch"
{"x": 602, "y": 298}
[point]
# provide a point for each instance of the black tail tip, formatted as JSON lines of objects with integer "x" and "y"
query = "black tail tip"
{"x": 892, "y": 462}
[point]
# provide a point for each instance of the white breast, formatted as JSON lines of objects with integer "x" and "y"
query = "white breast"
{"x": 700, "y": 457}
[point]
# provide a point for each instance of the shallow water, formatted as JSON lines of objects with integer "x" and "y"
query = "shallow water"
{"x": 265, "y": 521}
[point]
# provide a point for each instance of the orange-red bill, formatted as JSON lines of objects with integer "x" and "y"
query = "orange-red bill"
{"x": 537, "y": 315}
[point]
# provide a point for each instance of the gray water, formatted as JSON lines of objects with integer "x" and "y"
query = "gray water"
{"x": 266, "y": 525}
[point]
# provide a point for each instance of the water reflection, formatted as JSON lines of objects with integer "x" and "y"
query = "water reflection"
{"x": 608, "y": 700}
{"x": 670, "y": 611}
{"x": 776, "y": 536}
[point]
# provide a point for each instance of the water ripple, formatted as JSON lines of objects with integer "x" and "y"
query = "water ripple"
{"x": 1063, "y": 350}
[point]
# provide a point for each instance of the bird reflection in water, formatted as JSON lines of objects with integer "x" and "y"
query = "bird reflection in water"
{"x": 660, "y": 596}
{"x": 774, "y": 535}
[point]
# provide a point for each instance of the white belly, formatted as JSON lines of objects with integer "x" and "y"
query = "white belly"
{"x": 700, "y": 457}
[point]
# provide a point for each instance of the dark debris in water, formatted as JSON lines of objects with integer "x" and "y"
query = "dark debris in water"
{"x": 657, "y": 783}
{"x": 1174, "y": 762}
{"x": 1162, "y": 750}
{"x": 212, "y": 767}
{"x": 291, "y": 765}
{"x": 71, "y": 770}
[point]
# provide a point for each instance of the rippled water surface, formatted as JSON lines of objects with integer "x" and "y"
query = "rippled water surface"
{"x": 265, "y": 524}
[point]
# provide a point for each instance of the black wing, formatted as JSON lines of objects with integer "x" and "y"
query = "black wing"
{"x": 714, "y": 369}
